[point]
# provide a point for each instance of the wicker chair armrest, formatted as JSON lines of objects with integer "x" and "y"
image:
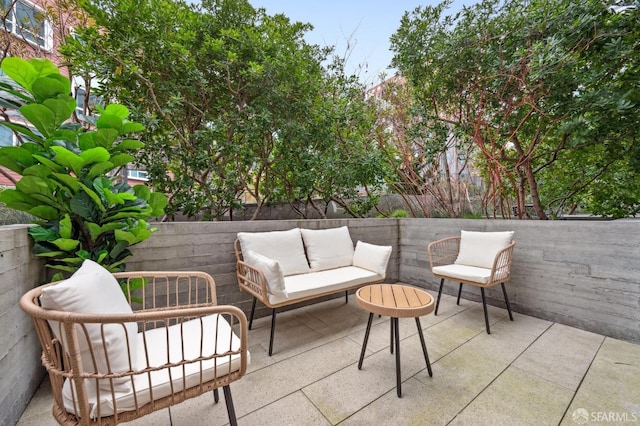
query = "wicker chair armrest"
{"x": 251, "y": 280}
{"x": 502, "y": 264}
{"x": 443, "y": 252}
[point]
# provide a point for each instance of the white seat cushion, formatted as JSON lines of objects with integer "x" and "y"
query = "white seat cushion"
{"x": 328, "y": 248}
{"x": 215, "y": 334}
{"x": 284, "y": 246}
{"x": 331, "y": 280}
{"x": 93, "y": 290}
{"x": 464, "y": 272}
{"x": 480, "y": 248}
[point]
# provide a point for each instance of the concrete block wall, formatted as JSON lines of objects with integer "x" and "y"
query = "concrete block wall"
{"x": 20, "y": 368}
{"x": 582, "y": 274}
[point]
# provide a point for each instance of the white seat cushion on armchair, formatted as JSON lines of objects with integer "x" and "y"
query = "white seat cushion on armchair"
{"x": 463, "y": 272}
{"x": 190, "y": 340}
{"x": 480, "y": 248}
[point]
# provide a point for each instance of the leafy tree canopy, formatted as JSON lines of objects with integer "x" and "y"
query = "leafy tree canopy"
{"x": 545, "y": 91}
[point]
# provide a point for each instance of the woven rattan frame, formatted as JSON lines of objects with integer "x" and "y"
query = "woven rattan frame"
{"x": 445, "y": 252}
{"x": 168, "y": 298}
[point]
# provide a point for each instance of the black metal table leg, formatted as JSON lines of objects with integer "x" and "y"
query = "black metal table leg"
{"x": 396, "y": 329}
{"x": 366, "y": 339}
{"x": 424, "y": 347}
{"x": 391, "y": 332}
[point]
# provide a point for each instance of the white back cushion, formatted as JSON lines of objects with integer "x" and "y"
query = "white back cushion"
{"x": 328, "y": 248}
{"x": 372, "y": 257}
{"x": 93, "y": 290}
{"x": 271, "y": 270}
{"x": 480, "y": 248}
{"x": 284, "y": 246}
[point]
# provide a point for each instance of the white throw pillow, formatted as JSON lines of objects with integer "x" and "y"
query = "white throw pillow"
{"x": 372, "y": 257}
{"x": 284, "y": 246}
{"x": 328, "y": 248}
{"x": 93, "y": 290}
{"x": 480, "y": 248}
{"x": 271, "y": 270}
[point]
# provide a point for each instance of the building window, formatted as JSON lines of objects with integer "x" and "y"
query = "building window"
{"x": 7, "y": 137}
{"x": 82, "y": 105}
{"x": 137, "y": 174}
{"x": 27, "y": 21}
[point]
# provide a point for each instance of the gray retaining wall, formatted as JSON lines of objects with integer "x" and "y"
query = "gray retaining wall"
{"x": 20, "y": 369}
{"x": 583, "y": 274}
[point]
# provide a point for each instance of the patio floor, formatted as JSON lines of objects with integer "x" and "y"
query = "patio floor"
{"x": 527, "y": 372}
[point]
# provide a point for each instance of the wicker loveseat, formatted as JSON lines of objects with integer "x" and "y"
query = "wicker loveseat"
{"x": 111, "y": 361}
{"x": 281, "y": 268}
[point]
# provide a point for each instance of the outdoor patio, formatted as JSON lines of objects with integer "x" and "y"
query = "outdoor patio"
{"x": 527, "y": 372}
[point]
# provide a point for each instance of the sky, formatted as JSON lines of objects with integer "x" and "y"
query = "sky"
{"x": 367, "y": 24}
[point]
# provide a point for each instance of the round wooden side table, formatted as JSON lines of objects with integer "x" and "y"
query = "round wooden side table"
{"x": 395, "y": 301}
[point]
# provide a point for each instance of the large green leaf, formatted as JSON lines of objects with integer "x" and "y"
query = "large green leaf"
{"x": 44, "y": 212}
{"x": 41, "y": 117}
{"x": 39, "y": 170}
{"x": 19, "y": 154}
{"x": 49, "y": 163}
{"x": 158, "y": 202}
{"x": 60, "y": 110}
{"x": 66, "y": 227}
{"x": 10, "y": 164}
{"x": 106, "y": 137}
{"x": 34, "y": 185}
{"x": 44, "y": 67}
{"x": 70, "y": 181}
{"x": 121, "y": 159}
{"x": 66, "y": 244}
{"x": 22, "y": 130}
{"x": 87, "y": 140}
{"x": 117, "y": 110}
{"x": 49, "y": 88}
{"x": 20, "y": 70}
{"x": 131, "y": 127}
{"x": 129, "y": 144}
{"x": 109, "y": 121}
{"x": 95, "y": 155}
{"x": 40, "y": 233}
{"x": 99, "y": 169}
{"x": 129, "y": 237}
{"x": 84, "y": 206}
{"x": 68, "y": 159}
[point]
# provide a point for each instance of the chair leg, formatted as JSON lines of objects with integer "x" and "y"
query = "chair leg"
{"x": 484, "y": 306}
{"x": 459, "y": 293}
{"x": 346, "y": 296}
{"x": 253, "y": 310}
{"x": 273, "y": 330}
{"x": 506, "y": 299}
{"x": 230, "y": 410}
{"x": 216, "y": 395}
{"x": 439, "y": 294}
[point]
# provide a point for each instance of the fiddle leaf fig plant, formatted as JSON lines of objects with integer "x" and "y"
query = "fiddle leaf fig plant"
{"x": 70, "y": 178}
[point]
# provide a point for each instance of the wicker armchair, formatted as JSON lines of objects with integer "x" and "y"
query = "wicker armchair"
{"x": 482, "y": 259}
{"x": 174, "y": 344}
